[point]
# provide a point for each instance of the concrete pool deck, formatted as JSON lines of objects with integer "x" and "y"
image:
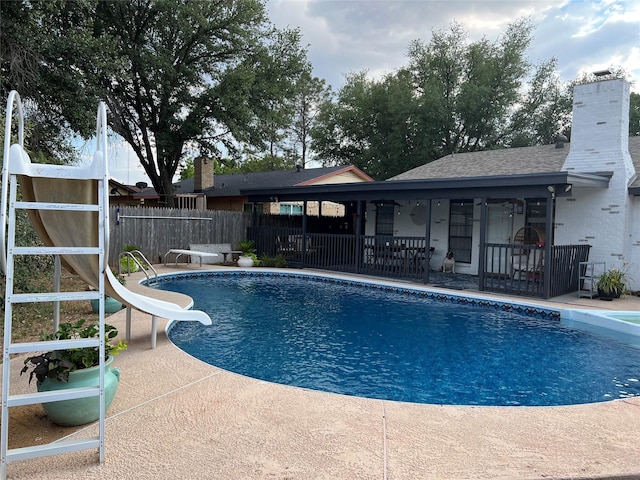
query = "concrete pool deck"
{"x": 175, "y": 417}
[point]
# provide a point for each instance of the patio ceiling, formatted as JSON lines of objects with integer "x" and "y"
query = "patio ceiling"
{"x": 537, "y": 185}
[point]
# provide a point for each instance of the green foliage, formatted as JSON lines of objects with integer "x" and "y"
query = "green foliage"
{"x": 375, "y": 125}
{"x": 613, "y": 282}
{"x": 25, "y": 265}
{"x": 128, "y": 264}
{"x": 453, "y": 96}
{"x": 57, "y": 105}
{"x": 311, "y": 93}
{"x": 247, "y": 246}
{"x": 634, "y": 114}
{"x": 278, "y": 261}
{"x": 187, "y": 169}
{"x": 265, "y": 163}
{"x": 211, "y": 75}
{"x": 57, "y": 364}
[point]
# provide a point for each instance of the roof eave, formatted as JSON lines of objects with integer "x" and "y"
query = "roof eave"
{"x": 504, "y": 186}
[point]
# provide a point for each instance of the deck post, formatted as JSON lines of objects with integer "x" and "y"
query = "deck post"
{"x": 427, "y": 241}
{"x": 483, "y": 241}
{"x": 358, "y": 234}
{"x": 304, "y": 234}
{"x": 547, "y": 265}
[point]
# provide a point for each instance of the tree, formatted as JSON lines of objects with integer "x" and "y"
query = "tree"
{"x": 174, "y": 73}
{"x": 187, "y": 169}
{"x": 311, "y": 92}
{"x": 634, "y": 114}
{"x": 471, "y": 86}
{"x": 453, "y": 96}
{"x": 24, "y": 54}
{"x": 374, "y": 125}
{"x": 544, "y": 110}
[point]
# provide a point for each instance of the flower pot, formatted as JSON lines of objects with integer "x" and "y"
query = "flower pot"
{"x": 607, "y": 296}
{"x": 111, "y": 305}
{"x": 245, "y": 261}
{"x": 79, "y": 411}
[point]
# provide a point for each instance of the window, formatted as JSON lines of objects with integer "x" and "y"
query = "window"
{"x": 536, "y": 213}
{"x": 290, "y": 209}
{"x": 384, "y": 219}
{"x": 461, "y": 229}
{"x": 248, "y": 208}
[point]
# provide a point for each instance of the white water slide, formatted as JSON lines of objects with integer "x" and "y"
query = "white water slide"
{"x": 75, "y": 226}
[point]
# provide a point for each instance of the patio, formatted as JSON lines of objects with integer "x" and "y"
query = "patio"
{"x": 175, "y": 417}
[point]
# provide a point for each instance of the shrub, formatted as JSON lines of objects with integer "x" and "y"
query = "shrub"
{"x": 128, "y": 264}
{"x": 278, "y": 261}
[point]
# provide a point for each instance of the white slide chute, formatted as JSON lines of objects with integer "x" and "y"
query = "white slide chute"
{"x": 79, "y": 186}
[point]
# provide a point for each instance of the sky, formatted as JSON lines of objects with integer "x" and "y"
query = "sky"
{"x": 345, "y": 37}
{"x": 373, "y": 35}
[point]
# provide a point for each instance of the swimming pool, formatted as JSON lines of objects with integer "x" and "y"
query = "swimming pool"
{"x": 399, "y": 343}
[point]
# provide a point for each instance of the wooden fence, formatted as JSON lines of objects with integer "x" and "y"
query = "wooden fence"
{"x": 156, "y": 230}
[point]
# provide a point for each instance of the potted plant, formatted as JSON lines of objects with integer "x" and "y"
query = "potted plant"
{"x": 248, "y": 257}
{"x": 127, "y": 262}
{"x": 74, "y": 368}
{"x": 612, "y": 284}
{"x": 111, "y": 305}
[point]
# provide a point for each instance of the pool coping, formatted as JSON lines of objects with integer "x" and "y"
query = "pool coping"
{"x": 175, "y": 417}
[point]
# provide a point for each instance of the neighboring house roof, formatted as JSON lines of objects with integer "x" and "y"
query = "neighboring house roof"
{"x": 117, "y": 188}
{"x": 508, "y": 161}
{"x": 229, "y": 185}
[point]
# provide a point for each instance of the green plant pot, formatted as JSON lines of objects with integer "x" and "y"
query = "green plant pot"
{"x": 69, "y": 413}
{"x": 111, "y": 305}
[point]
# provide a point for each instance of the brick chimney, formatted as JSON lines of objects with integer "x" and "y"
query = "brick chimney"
{"x": 600, "y": 130}
{"x": 203, "y": 174}
{"x": 599, "y": 216}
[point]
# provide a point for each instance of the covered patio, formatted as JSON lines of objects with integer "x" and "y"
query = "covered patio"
{"x": 520, "y": 266}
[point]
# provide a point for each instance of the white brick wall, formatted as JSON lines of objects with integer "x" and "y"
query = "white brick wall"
{"x": 600, "y": 142}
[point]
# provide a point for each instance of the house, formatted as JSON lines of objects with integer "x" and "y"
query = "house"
{"x": 206, "y": 190}
{"x": 599, "y": 208}
{"x": 121, "y": 194}
{"x": 579, "y": 199}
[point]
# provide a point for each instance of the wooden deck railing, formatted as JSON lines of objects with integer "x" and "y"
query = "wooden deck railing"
{"x": 521, "y": 269}
{"x": 508, "y": 268}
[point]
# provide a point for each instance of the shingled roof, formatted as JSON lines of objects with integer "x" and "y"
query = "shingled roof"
{"x": 229, "y": 185}
{"x": 508, "y": 161}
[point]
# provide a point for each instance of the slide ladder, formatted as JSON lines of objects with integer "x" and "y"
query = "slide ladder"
{"x": 16, "y": 171}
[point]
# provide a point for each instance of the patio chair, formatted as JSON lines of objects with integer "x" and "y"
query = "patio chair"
{"x": 528, "y": 265}
{"x": 284, "y": 247}
{"x": 527, "y": 262}
{"x": 420, "y": 259}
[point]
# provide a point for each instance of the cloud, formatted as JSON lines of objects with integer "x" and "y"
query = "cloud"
{"x": 352, "y": 36}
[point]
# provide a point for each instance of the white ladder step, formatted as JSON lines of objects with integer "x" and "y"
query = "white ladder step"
{"x": 27, "y": 347}
{"x": 55, "y": 448}
{"x": 52, "y": 396}
{"x": 80, "y": 207}
{"x": 53, "y": 296}
{"x": 55, "y": 251}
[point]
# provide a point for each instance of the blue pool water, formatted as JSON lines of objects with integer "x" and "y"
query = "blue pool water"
{"x": 394, "y": 344}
